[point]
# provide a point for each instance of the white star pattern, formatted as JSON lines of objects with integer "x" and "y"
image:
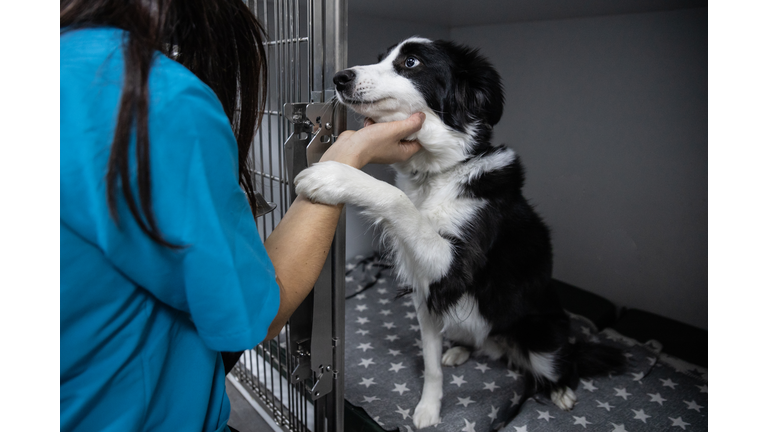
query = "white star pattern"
{"x": 657, "y": 398}
{"x": 464, "y": 401}
{"x": 494, "y": 413}
{"x": 482, "y": 367}
{"x": 458, "y": 380}
{"x": 367, "y": 382}
{"x": 622, "y": 393}
{"x": 604, "y": 405}
{"x": 544, "y": 415}
{"x": 582, "y": 421}
{"x": 693, "y": 405}
{"x": 401, "y": 388}
{"x": 588, "y": 385}
{"x": 403, "y": 412}
{"x": 668, "y": 383}
{"x": 468, "y": 415}
{"x": 679, "y": 422}
{"x": 468, "y": 427}
{"x": 641, "y": 415}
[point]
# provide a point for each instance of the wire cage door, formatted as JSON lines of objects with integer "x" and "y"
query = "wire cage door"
{"x": 298, "y": 377}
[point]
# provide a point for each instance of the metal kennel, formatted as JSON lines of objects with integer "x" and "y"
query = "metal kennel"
{"x": 298, "y": 378}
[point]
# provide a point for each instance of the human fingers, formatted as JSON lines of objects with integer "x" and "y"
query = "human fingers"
{"x": 400, "y": 129}
{"x": 368, "y": 122}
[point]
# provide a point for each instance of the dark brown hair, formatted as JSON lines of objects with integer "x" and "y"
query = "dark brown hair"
{"x": 220, "y": 41}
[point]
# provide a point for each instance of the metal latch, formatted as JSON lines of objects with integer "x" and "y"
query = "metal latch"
{"x": 312, "y": 135}
{"x": 311, "y": 323}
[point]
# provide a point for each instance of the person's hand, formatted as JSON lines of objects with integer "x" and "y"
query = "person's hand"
{"x": 376, "y": 143}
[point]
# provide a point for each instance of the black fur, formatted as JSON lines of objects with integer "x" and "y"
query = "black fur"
{"x": 505, "y": 259}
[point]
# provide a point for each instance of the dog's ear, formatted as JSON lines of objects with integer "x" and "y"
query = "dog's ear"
{"x": 476, "y": 93}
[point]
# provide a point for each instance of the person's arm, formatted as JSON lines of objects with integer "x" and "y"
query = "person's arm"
{"x": 300, "y": 243}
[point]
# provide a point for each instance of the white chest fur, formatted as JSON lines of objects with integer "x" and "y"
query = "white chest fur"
{"x": 437, "y": 198}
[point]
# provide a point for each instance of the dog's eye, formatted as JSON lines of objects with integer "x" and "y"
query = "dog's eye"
{"x": 411, "y": 62}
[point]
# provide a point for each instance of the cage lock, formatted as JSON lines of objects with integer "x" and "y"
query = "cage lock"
{"x": 311, "y": 324}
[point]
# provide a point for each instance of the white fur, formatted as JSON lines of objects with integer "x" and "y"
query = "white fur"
{"x": 463, "y": 323}
{"x": 427, "y": 411}
{"x": 384, "y": 95}
{"x": 456, "y": 356}
{"x": 564, "y": 398}
{"x": 414, "y": 218}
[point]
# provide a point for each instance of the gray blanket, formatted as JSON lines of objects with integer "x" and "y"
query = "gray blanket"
{"x": 384, "y": 376}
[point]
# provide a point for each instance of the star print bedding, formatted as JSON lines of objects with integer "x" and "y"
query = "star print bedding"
{"x": 383, "y": 376}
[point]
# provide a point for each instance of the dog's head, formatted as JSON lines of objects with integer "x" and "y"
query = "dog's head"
{"x": 454, "y": 82}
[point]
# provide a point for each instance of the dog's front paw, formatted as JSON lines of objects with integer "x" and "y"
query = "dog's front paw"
{"x": 327, "y": 182}
{"x": 427, "y": 413}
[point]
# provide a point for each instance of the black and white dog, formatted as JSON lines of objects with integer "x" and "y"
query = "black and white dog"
{"x": 459, "y": 230}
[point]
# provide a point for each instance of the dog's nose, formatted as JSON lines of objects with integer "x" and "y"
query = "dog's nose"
{"x": 341, "y": 79}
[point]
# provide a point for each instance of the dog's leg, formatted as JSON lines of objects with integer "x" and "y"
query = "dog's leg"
{"x": 427, "y": 412}
{"x": 419, "y": 249}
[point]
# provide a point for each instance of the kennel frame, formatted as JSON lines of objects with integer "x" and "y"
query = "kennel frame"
{"x": 306, "y": 44}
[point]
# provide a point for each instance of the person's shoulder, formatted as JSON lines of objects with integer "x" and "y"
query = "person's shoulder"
{"x": 170, "y": 80}
{"x": 89, "y": 42}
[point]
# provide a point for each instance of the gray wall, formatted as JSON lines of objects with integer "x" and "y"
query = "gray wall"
{"x": 609, "y": 116}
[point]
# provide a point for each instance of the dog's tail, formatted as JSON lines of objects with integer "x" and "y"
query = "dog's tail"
{"x": 593, "y": 359}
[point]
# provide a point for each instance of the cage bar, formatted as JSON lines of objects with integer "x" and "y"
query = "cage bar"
{"x": 305, "y": 46}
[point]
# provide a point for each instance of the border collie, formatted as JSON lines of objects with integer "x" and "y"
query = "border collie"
{"x": 460, "y": 232}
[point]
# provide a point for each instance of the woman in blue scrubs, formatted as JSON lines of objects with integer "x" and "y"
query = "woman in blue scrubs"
{"x": 162, "y": 266}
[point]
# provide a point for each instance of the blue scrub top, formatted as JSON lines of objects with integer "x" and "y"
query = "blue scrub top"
{"x": 142, "y": 325}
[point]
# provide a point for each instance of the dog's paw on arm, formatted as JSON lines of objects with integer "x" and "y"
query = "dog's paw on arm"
{"x": 328, "y": 182}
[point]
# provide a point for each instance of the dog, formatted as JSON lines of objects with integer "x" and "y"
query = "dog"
{"x": 460, "y": 233}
